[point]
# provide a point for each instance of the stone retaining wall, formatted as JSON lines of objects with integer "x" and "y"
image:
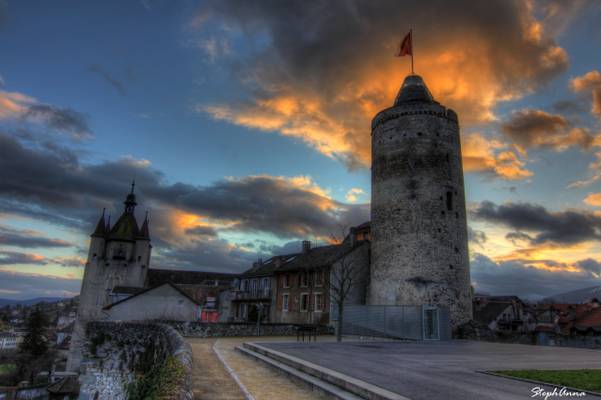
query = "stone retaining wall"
{"x": 205, "y": 329}
{"x": 114, "y": 351}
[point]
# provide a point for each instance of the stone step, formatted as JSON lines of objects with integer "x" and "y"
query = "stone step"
{"x": 312, "y": 373}
{"x": 315, "y": 383}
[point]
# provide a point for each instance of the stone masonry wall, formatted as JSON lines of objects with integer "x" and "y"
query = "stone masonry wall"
{"x": 113, "y": 350}
{"x": 203, "y": 330}
{"x": 418, "y": 215}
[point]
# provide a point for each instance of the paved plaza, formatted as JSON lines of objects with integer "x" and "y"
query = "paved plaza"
{"x": 442, "y": 370}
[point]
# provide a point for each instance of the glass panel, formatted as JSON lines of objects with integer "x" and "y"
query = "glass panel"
{"x": 431, "y": 324}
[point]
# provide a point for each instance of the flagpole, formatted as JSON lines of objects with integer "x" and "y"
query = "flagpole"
{"x": 412, "y": 51}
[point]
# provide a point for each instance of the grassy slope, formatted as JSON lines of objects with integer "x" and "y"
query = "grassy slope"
{"x": 585, "y": 379}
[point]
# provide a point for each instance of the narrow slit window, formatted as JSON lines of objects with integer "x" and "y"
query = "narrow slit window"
{"x": 449, "y": 201}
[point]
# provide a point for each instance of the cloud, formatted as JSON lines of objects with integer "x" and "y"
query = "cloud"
{"x": 518, "y": 277}
{"x": 14, "y": 257}
{"x": 323, "y": 71}
{"x": 593, "y": 199}
{"x": 28, "y": 239}
{"x": 20, "y": 107}
{"x": 476, "y": 237}
{"x": 492, "y": 157}
{"x": 595, "y": 168}
{"x": 531, "y": 128}
{"x": 353, "y": 194}
{"x": 27, "y": 286}
{"x": 563, "y": 227}
{"x": 60, "y": 119}
{"x": 187, "y": 221}
{"x": 103, "y": 73}
{"x": 591, "y": 81}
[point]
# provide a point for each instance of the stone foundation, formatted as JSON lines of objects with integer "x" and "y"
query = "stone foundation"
{"x": 115, "y": 351}
{"x": 205, "y": 330}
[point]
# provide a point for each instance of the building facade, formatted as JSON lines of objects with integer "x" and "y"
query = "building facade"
{"x": 118, "y": 256}
{"x": 418, "y": 216}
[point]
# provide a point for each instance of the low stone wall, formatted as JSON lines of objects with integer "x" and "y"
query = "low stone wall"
{"x": 117, "y": 353}
{"x": 230, "y": 329}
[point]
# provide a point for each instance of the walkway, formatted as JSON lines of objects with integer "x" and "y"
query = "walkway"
{"x": 211, "y": 380}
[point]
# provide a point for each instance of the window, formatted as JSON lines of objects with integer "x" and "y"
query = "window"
{"x": 318, "y": 278}
{"x": 304, "y": 302}
{"x": 265, "y": 283}
{"x": 318, "y": 307}
{"x": 285, "y": 301}
{"x": 286, "y": 281}
{"x": 449, "y": 201}
{"x": 253, "y": 286}
{"x": 304, "y": 279}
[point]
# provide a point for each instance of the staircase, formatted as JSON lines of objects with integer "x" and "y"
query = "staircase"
{"x": 325, "y": 380}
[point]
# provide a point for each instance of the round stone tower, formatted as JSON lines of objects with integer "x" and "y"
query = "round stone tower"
{"x": 419, "y": 227}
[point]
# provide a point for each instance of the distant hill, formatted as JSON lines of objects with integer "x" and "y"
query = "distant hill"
{"x": 30, "y": 302}
{"x": 576, "y": 296}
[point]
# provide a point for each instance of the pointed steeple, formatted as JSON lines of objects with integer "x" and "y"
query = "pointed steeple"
{"x": 100, "y": 226}
{"x": 145, "y": 231}
{"x": 130, "y": 200}
{"x": 413, "y": 90}
{"x": 108, "y": 224}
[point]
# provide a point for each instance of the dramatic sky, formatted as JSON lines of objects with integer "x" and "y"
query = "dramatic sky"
{"x": 247, "y": 128}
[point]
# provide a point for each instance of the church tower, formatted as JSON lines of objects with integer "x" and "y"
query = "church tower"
{"x": 419, "y": 227}
{"x": 118, "y": 256}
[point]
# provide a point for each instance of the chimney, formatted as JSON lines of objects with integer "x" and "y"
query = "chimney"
{"x": 306, "y": 246}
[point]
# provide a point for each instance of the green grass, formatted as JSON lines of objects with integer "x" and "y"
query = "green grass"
{"x": 584, "y": 379}
{"x": 6, "y": 368}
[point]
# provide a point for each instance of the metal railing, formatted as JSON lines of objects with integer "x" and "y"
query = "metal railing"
{"x": 398, "y": 322}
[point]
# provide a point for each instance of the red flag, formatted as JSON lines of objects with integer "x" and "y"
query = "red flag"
{"x": 406, "y": 47}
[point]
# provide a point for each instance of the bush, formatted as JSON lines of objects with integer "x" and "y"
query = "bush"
{"x": 161, "y": 382}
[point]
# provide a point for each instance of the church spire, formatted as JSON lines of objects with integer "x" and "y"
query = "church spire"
{"x": 130, "y": 200}
{"x": 100, "y": 226}
{"x": 144, "y": 231}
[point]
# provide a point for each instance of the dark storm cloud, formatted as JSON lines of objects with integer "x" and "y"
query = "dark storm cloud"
{"x": 518, "y": 278}
{"x": 15, "y": 257}
{"x": 590, "y": 265}
{"x": 531, "y": 128}
{"x": 332, "y": 62}
{"x": 564, "y": 227}
{"x": 202, "y": 231}
{"x": 28, "y": 239}
{"x": 476, "y": 237}
{"x": 52, "y": 184}
{"x": 27, "y": 286}
{"x": 111, "y": 80}
{"x": 64, "y": 120}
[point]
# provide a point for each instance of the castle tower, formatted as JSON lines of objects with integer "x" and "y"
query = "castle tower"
{"x": 118, "y": 256}
{"x": 419, "y": 227}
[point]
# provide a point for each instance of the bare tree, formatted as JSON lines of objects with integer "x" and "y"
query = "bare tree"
{"x": 344, "y": 274}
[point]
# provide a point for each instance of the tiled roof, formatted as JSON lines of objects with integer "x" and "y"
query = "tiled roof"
{"x": 158, "y": 276}
{"x": 490, "y": 312}
{"x": 319, "y": 257}
{"x": 127, "y": 289}
{"x": 148, "y": 290}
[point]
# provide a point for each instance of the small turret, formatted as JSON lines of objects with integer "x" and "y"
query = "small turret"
{"x": 101, "y": 228}
{"x": 144, "y": 231}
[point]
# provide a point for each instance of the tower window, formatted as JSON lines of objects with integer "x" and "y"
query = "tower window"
{"x": 450, "y": 266}
{"x": 448, "y": 159}
{"x": 139, "y": 258}
{"x": 419, "y": 133}
{"x": 449, "y": 201}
